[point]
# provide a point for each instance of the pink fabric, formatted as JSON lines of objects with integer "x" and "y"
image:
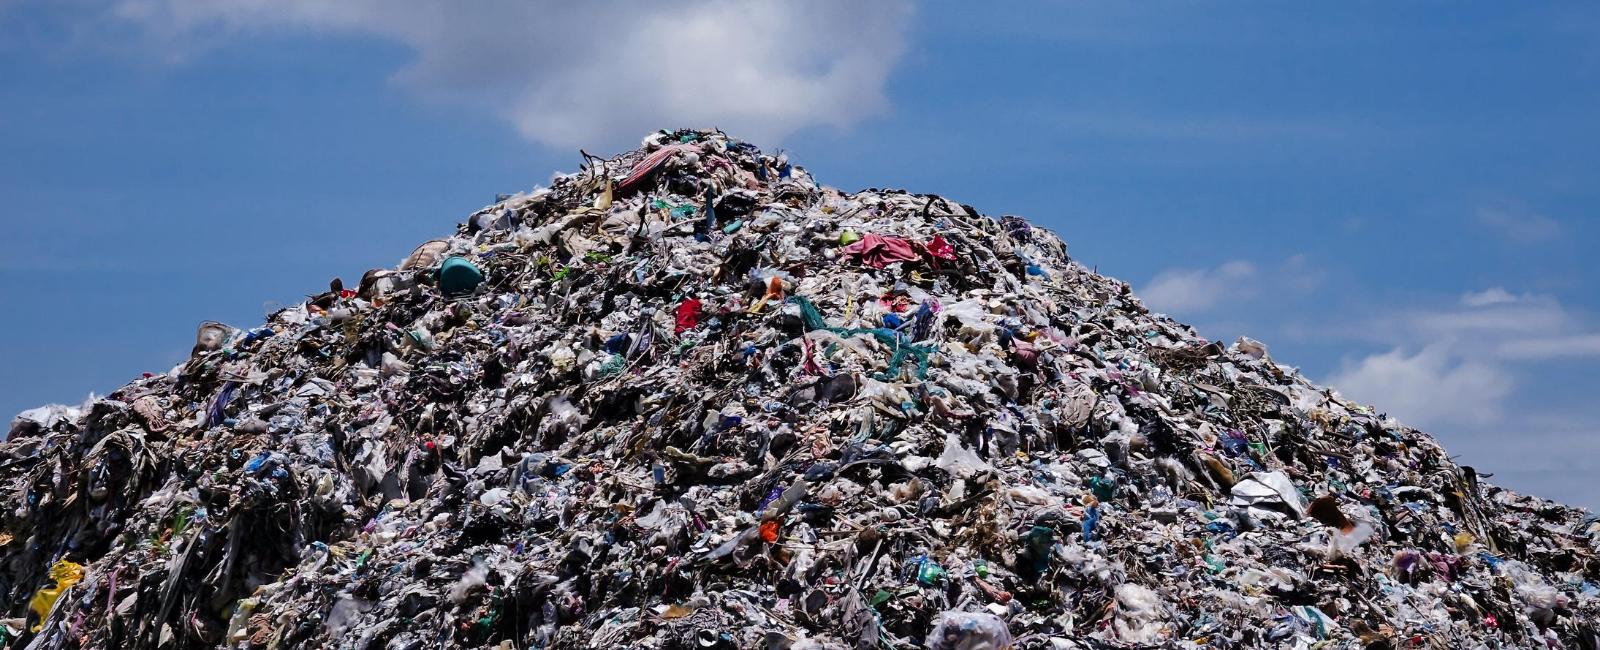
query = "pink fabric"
{"x": 941, "y": 249}
{"x": 649, "y": 164}
{"x": 878, "y": 251}
{"x": 1026, "y": 354}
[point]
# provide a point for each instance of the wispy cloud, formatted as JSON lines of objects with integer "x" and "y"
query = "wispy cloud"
{"x": 1497, "y": 324}
{"x": 1121, "y": 124}
{"x": 1190, "y": 291}
{"x": 589, "y": 73}
{"x": 1540, "y": 317}
{"x": 1196, "y": 292}
{"x": 1475, "y": 368}
{"x": 1522, "y": 225}
{"x": 1478, "y": 320}
{"x": 1550, "y": 347}
{"x": 1469, "y": 355}
{"x": 1428, "y": 388}
{"x": 1493, "y": 296}
{"x": 1300, "y": 275}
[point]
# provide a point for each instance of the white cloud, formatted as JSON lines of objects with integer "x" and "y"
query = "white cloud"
{"x": 1429, "y": 388}
{"x": 1194, "y": 291}
{"x": 1468, "y": 379}
{"x": 1520, "y": 224}
{"x": 1550, "y": 347}
{"x": 602, "y": 72}
{"x": 1493, "y": 296}
{"x": 1237, "y": 268}
{"x": 1496, "y": 324}
{"x": 1478, "y": 320}
{"x": 1529, "y": 316}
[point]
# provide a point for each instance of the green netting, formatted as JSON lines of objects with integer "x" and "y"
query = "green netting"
{"x": 812, "y": 319}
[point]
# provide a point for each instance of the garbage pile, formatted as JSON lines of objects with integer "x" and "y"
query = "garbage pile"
{"x": 687, "y": 398}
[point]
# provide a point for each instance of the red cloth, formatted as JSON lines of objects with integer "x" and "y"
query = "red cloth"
{"x": 940, "y": 249}
{"x": 878, "y": 251}
{"x": 687, "y": 315}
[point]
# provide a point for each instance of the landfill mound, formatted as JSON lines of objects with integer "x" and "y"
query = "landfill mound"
{"x": 689, "y": 398}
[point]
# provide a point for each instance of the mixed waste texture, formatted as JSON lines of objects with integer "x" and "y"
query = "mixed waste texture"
{"x": 688, "y": 398}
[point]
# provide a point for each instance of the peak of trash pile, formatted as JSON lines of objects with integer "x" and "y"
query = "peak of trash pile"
{"x": 689, "y": 398}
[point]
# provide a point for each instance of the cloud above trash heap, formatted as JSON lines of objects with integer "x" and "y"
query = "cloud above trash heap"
{"x": 570, "y": 74}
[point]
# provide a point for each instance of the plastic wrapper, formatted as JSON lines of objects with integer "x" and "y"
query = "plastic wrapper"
{"x": 969, "y": 631}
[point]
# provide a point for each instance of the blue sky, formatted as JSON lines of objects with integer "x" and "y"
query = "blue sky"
{"x": 1400, "y": 198}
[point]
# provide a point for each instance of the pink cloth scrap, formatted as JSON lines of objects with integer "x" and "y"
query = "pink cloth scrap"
{"x": 878, "y": 251}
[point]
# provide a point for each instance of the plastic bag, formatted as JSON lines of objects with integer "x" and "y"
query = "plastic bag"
{"x": 959, "y": 460}
{"x": 65, "y": 574}
{"x": 1140, "y": 616}
{"x": 969, "y": 631}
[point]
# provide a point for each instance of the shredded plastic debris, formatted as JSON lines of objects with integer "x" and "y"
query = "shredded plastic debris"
{"x": 689, "y": 398}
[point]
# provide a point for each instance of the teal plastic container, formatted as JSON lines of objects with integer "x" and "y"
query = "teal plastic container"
{"x": 457, "y": 275}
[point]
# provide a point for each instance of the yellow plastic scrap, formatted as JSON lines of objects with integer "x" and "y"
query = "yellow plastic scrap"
{"x": 65, "y": 574}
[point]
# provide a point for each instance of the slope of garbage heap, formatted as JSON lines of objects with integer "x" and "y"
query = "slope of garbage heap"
{"x": 689, "y": 398}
